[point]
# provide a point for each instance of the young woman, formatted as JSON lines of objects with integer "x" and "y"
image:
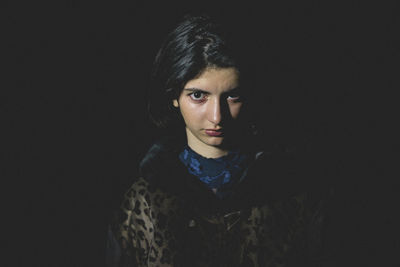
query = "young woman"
{"x": 208, "y": 195}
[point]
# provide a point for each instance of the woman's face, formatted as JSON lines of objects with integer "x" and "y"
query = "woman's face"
{"x": 210, "y": 105}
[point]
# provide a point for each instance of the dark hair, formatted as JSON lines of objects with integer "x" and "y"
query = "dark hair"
{"x": 195, "y": 44}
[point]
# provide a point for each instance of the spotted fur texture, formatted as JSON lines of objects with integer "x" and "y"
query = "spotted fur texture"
{"x": 168, "y": 222}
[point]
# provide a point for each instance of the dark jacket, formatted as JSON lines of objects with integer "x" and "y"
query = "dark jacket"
{"x": 170, "y": 218}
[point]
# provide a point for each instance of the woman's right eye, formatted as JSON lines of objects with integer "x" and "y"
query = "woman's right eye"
{"x": 197, "y": 96}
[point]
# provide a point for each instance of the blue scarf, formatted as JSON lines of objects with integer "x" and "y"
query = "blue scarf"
{"x": 219, "y": 173}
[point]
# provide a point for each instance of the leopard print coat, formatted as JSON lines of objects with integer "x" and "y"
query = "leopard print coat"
{"x": 170, "y": 218}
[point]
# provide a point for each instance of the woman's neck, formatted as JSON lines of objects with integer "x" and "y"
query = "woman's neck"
{"x": 205, "y": 150}
{"x": 209, "y": 152}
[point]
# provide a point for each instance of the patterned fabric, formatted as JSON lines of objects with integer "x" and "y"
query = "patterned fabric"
{"x": 172, "y": 219}
{"x": 217, "y": 173}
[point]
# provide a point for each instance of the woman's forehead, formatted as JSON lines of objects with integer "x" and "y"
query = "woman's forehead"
{"x": 215, "y": 79}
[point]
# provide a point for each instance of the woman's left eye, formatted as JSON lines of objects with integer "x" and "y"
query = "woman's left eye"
{"x": 233, "y": 97}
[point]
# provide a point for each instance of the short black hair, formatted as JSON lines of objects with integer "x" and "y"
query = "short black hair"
{"x": 196, "y": 43}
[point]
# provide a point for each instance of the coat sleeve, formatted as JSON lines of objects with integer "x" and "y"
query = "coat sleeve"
{"x": 308, "y": 238}
{"x": 316, "y": 223}
{"x": 130, "y": 235}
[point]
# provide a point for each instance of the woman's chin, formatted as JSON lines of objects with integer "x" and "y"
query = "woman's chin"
{"x": 215, "y": 141}
{"x": 221, "y": 143}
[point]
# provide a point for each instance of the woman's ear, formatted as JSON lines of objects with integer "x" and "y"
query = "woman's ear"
{"x": 175, "y": 103}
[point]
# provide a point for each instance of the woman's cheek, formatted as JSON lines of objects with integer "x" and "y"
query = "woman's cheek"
{"x": 235, "y": 110}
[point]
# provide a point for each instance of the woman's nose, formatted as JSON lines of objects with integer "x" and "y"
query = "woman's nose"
{"x": 214, "y": 112}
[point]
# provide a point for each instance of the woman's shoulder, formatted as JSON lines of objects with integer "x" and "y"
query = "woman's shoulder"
{"x": 138, "y": 187}
{"x": 134, "y": 199}
{"x": 144, "y": 197}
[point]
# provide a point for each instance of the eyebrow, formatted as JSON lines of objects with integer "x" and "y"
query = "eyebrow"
{"x": 195, "y": 89}
{"x": 236, "y": 89}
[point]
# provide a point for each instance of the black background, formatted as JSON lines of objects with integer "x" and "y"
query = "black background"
{"x": 75, "y": 126}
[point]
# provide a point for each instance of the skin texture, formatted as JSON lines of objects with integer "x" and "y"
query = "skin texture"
{"x": 210, "y": 101}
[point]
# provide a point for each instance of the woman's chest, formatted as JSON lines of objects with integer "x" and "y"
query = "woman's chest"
{"x": 261, "y": 235}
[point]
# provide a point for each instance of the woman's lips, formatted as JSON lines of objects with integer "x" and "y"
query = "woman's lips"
{"x": 214, "y": 132}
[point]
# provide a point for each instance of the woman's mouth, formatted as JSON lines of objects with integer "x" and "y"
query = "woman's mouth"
{"x": 214, "y": 132}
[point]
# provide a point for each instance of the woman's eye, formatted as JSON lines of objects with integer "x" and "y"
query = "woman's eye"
{"x": 234, "y": 97}
{"x": 197, "y": 96}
